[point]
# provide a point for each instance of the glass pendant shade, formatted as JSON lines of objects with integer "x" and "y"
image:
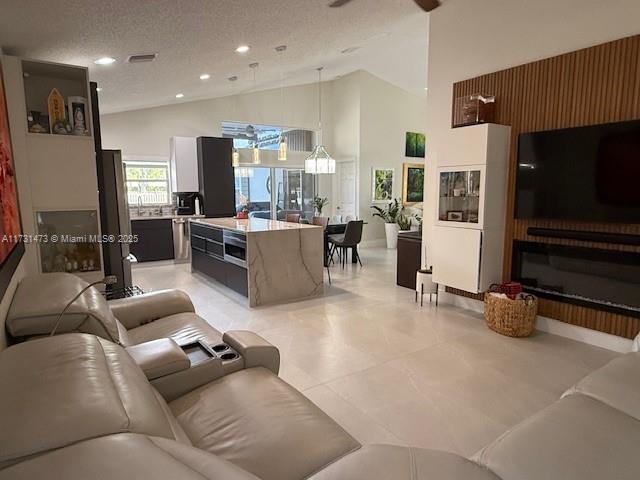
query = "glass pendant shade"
{"x": 282, "y": 149}
{"x": 320, "y": 162}
{"x": 235, "y": 158}
{"x": 256, "y": 155}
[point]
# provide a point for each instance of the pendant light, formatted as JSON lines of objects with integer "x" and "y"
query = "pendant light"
{"x": 256, "y": 149}
{"x": 319, "y": 162}
{"x": 282, "y": 146}
{"x": 255, "y": 154}
{"x": 235, "y": 155}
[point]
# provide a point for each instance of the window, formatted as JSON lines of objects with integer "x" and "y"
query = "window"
{"x": 267, "y": 137}
{"x": 265, "y": 190}
{"x": 147, "y": 182}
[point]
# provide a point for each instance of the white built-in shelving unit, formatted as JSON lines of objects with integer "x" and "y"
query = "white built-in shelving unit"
{"x": 468, "y": 238}
{"x": 56, "y": 173}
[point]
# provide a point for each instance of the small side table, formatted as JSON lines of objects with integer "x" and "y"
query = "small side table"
{"x": 425, "y": 284}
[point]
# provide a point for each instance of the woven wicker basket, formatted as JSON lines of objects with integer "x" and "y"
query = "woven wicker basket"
{"x": 513, "y": 318}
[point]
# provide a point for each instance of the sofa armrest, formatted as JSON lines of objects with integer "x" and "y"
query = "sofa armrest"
{"x": 159, "y": 358}
{"x": 255, "y": 350}
{"x": 140, "y": 309}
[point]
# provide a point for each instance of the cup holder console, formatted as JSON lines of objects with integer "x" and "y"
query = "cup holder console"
{"x": 222, "y": 347}
{"x": 229, "y": 356}
{"x": 199, "y": 352}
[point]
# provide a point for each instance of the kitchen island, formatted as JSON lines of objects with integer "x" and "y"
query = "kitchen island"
{"x": 268, "y": 261}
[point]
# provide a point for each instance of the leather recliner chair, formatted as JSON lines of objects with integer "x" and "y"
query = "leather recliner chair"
{"x": 77, "y": 406}
{"x": 39, "y": 299}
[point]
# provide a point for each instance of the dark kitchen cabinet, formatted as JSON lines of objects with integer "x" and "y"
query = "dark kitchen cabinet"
{"x": 211, "y": 266}
{"x": 155, "y": 240}
{"x": 215, "y": 174}
{"x": 409, "y": 258}
{"x": 236, "y": 279}
{"x": 207, "y": 257}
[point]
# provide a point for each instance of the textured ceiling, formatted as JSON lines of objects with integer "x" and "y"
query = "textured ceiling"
{"x": 192, "y": 37}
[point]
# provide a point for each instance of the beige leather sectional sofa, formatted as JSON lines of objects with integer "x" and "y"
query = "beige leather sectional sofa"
{"x": 118, "y": 401}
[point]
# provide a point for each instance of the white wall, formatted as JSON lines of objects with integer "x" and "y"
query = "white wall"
{"x": 343, "y": 127}
{"x": 386, "y": 114}
{"x": 147, "y": 131}
{"x": 364, "y": 119}
{"x": 468, "y": 38}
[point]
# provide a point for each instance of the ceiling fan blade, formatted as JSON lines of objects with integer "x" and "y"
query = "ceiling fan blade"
{"x": 338, "y": 3}
{"x": 428, "y": 5}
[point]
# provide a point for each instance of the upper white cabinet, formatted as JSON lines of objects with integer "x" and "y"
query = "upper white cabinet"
{"x": 471, "y": 207}
{"x": 184, "y": 164}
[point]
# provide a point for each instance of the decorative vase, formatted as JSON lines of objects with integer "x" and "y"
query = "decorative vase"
{"x": 391, "y": 230}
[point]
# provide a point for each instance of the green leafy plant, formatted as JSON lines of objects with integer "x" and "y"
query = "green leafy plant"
{"x": 319, "y": 203}
{"x": 404, "y": 221}
{"x": 419, "y": 220}
{"x": 390, "y": 213}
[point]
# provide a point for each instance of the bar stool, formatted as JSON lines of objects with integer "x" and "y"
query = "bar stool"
{"x": 425, "y": 284}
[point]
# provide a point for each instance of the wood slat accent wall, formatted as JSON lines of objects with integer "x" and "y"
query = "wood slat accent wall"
{"x": 596, "y": 85}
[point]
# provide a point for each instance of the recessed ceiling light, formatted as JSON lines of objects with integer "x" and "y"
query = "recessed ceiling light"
{"x": 205, "y": 76}
{"x": 426, "y": 88}
{"x": 105, "y": 61}
{"x": 179, "y": 95}
{"x": 243, "y": 49}
{"x": 98, "y": 89}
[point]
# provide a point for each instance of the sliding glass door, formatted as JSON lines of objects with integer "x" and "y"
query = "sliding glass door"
{"x": 294, "y": 192}
{"x": 273, "y": 192}
{"x": 253, "y": 191}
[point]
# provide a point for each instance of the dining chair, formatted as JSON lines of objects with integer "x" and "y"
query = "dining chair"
{"x": 323, "y": 222}
{"x": 351, "y": 239}
{"x": 292, "y": 218}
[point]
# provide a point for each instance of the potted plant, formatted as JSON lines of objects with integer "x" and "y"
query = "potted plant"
{"x": 319, "y": 203}
{"x": 390, "y": 216}
{"x": 404, "y": 223}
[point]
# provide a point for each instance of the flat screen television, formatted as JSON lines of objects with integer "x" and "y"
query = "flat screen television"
{"x": 589, "y": 174}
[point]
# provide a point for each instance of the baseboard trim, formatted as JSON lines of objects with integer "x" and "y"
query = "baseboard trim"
{"x": 555, "y": 327}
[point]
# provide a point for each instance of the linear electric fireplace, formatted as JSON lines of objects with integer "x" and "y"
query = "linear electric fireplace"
{"x": 602, "y": 279}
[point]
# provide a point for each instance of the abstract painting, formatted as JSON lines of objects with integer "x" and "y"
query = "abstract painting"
{"x": 415, "y": 145}
{"x": 11, "y": 246}
{"x": 412, "y": 183}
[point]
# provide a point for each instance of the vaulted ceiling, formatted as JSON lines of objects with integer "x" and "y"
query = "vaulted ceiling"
{"x": 191, "y": 37}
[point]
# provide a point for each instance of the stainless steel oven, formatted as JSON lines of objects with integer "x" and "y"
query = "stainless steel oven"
{"x": 235, "y": 248}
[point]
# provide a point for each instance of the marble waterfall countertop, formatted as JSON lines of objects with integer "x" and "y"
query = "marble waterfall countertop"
{"x": 162, "y": 217}
{"x": 284, "y": 261}
{"x": 252, "y": 225}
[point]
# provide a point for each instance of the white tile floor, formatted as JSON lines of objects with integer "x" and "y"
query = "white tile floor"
{"x": 389, "y": 371}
